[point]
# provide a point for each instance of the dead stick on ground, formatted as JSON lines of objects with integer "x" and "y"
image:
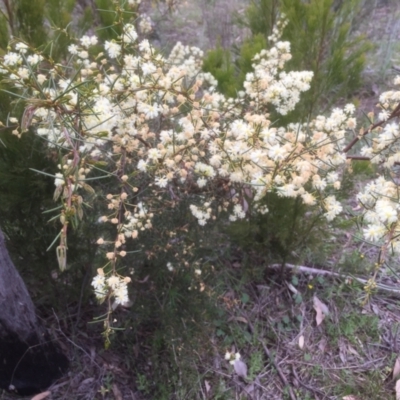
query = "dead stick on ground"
{"x": 280, "y": 373}
{"x": 309, "y": 388}
{"x": 309, "y": 270}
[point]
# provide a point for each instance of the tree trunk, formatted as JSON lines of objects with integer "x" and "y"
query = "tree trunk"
{"x": 29, "y": 360}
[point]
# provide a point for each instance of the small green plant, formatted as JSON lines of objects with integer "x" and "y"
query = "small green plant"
{"x": 355, "y": 327}
{"x": 142, "y": 383}
{"x": 222, "y": 392}
{"x": 106, "y": 386}
{"x": 368, "y": 384}
{"x": 256, "y": 364}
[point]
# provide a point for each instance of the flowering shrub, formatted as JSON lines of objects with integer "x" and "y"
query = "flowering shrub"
{"x": 159, "y": 128}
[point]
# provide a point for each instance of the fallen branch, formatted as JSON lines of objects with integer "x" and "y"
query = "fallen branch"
{"x": 315, "y": 271}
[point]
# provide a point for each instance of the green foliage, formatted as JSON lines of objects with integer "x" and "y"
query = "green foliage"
{"x": 87, "y": 20}
{"x": 29, "y": 21}
{"x": 107, "y": 14}
{"x": 353, "y": 326}
{"x": 112, "y": 14}
{"x": 260, "y": 16}
{"x": 257, "y": 363}
{"x": 59, "y": 14}
{"x": 364, "y": 168}
{"x": 218, "y": 63}
{"x": 24, "y": 196}
{"x": 3, "y": 34}
{"x": 169, "y": 323}
{"x": 50, "y": 21}
{"x": 231, "y": 75}
{"x": 24, "y": 19}
{"x": 287, "y": 230}
{"x": 367, "y": 385}
{"x": 23, "y": 192}
{"x": 322, "y": 41}
{"x": 247, "y": 51}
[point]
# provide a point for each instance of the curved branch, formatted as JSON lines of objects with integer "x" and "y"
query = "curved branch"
{"x": 395, "y": 113}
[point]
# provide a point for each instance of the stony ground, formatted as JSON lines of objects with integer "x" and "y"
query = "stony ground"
{"x": 201, "y": 23}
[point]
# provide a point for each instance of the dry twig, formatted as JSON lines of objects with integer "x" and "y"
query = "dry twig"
{"x": 274, "y": 363}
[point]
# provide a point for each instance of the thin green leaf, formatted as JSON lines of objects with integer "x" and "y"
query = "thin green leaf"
{"x": 52, "y": 243}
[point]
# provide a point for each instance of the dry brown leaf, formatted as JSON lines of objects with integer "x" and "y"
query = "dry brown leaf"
{"x": 301, "y": 341}
{"x": 236, "y": 264}
{"x": 145, "y": 279}
{"x": 240, "y": 319}
{"x": 352, "y": 350}
{"x": 396, "y": 369}
{"x": 117, "y": 392}
{"x": 322, "y": 345}
{"x": 92, "y": 353}
{"x": 320, "y": 316}
{"x": 343, "y": 351}
{"x": 398, "y": 389}
{"x": 248, "y": 392}
{"x": 375, "y": 309}
{"x": 240, "y": 368}
{"x": 86, "y": 381}
{"x": 41, "y": 396}
{"x": 292, "y": 288}
{"x": 321, "y": 309}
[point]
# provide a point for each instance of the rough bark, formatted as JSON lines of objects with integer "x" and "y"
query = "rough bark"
{"x": 29, "y": 360}
{"x": 17, "y": 313}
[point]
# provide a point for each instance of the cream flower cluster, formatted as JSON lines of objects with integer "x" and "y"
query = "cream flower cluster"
{"x": 232, "y": 357}
{"x": 81, "y": 51}
{"x": 112, "y": 285}
{"x": 269, "y": 84}
{"x": 384, "y": 147}
{"x": 381, "y": 202}
{"x": 211, "y": 141}
{"x": 380, "y": 199}
{"x": 145, "y": 24}
{"x": 138, "y": 221}
{"x": 203, "y": 214}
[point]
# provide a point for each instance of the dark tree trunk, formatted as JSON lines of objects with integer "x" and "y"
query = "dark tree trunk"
{"x": 29, "y": 360}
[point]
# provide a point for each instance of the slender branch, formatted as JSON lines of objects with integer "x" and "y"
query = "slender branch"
{"x": 355, "y": 157}
{"x": 309, "y": 388}
{"x": 395, "y": 113}
{"x": 363, "y": 158}
{"x": 10, "y": 16}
